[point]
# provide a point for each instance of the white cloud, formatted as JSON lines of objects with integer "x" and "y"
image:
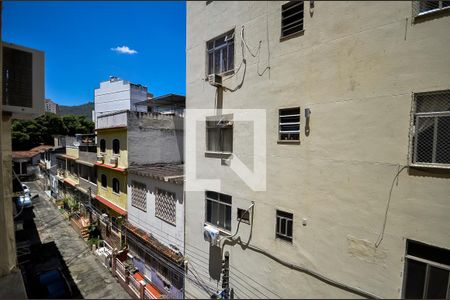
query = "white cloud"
{"x": 124, "y": 50}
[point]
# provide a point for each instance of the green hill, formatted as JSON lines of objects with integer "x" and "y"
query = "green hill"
{"x": 79, "y": 110}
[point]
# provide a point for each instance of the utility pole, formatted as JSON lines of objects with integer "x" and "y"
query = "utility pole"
{"x": 226, "y": 276}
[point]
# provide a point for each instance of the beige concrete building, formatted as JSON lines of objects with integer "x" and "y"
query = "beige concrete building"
{"x": 358, "y": 154}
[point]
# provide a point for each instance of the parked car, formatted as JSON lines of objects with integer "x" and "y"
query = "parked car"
{"x": 52, "y": 284}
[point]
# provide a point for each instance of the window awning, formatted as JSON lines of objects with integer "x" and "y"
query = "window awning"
{"x": 111, "y": 205}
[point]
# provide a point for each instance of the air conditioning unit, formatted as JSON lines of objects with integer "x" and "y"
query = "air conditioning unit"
{"x": 23, "y": 81}
{"x": 211, "y": 234}
{"x": 114, "y": 161}
{"x": 215, "y": 80}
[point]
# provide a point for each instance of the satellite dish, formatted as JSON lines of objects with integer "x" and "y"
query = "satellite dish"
{"x": 76, "y": 143}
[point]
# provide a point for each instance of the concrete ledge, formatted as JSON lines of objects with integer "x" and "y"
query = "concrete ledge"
{"x": 12, "y": 287}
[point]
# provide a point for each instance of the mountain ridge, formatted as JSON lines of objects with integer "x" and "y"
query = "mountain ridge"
{"x": 79, "y": 110}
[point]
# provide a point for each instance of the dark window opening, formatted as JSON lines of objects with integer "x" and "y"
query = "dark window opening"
{"x": 104, "y": 180}
{"x": 289, "y": 124}
{"x": 17, "y": 77}
{"x": 218, "y": 209}
{"x": 219, "y": 135}
{"x": 427, "y": 270}
{"x": 116, "y": 185}
{"x": 243, "y": 215}
{"x": 102, "y": 145}
{"x": 284, "y": 225}
{"x": 116, "y": 146}
{"x": 291, "y": 18}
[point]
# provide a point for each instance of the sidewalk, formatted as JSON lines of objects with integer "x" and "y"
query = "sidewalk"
{"x": 90, "y": 277}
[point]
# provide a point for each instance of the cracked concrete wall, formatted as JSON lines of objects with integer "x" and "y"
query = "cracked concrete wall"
{"x": 355, "y": 66}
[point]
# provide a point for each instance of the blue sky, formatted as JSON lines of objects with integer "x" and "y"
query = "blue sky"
{"x": 77, "y": 38}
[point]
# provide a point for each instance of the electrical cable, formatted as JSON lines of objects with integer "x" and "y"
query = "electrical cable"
{"x": 23, "y": 190}
{"x": 381, "y": 235}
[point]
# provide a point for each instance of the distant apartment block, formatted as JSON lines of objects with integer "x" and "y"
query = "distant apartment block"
{"x": 51, "y": 106}
{"x": 357, "y": 102}
{"x": 117, "y": 94}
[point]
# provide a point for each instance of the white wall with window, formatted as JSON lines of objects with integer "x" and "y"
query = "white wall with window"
{"x": 157, "y": 207}
{"x": 220, "y": 54}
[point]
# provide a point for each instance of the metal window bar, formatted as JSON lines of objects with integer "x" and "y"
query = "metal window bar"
{"x": 135, "y": 285}
{"x": 426, "y": 7}
{"x": 428, "y": 265}
{"x": 222, "y": 207}
{"x": 430, "y": 131}
{"x": 283, "y": 224}
{"x": 222, "y": 57}
{"x": 289, "y": 124}
{"x": 289, "y": 6}
{"x": 289, "y": 11}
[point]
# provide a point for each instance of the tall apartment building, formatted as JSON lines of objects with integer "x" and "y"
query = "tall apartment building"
{"x": 51, "y": 106}
{"x": 117, "y": 94}
{"x": 22, "y": 96}
{"x": 357, "y": 104}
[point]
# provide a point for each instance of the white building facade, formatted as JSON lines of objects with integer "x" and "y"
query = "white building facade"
{"x": 357, "y": 99}
{"x": 117, "y": 94}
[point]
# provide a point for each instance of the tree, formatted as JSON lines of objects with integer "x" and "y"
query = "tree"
{"x": 27, "y": 134}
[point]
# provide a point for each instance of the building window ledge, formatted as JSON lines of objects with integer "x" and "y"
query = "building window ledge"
{"x": 426, "y": 15}
{"x": 295, "y": 142}
{"x": 222, "y": 232}
{"x": 218, "y": 154}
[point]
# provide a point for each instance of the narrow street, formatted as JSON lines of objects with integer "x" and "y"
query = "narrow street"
{"x": 54, "y": 237}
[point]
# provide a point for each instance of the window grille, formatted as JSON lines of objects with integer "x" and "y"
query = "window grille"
{"x": 431, "y": 129}
{"x": 220, "y": 53}
{"x": 218, "y": 210}
{"x": 427, "y": 272}
{"x": 284, "y": 225}
{"x": 425, "y": 7}
{"x": 291, "y": 18}
{"x": 289, "y": 124}
{"x": 139, "y": 195}
{"x": 165, "y": 206}
{"x": 219, "y": 134}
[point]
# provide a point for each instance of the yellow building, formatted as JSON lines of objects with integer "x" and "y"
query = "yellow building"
{"x": 112, "y": 164}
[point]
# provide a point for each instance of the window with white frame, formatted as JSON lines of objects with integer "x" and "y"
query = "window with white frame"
{"x": 291, "y": 18}
{"x": 431, "y": 129}
{"x": 426, "y": 7}
{"x": 165, "y": 205}
{"x": 284, "y": 225}
{"x": 218, "y": 209}
{"x": 220, "y": 53}
{"x": 289, "y": 124}
{"x": 139, "y": 195}
{"x": 219, "y": 134}
{"x": 427, "y": 272}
